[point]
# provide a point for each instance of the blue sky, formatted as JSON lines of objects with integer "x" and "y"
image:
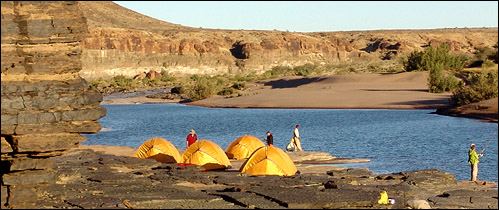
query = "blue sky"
{"x": 315, "y": 16}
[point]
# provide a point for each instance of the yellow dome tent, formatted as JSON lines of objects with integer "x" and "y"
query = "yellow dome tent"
{"x": 158, "y": 149}
{"x": 269, "y": 160}
{"x": 243, "y": 147}
{"x": 206, "y": 154}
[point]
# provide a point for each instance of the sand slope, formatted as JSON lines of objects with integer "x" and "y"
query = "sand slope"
{"x": 393, "y": 91}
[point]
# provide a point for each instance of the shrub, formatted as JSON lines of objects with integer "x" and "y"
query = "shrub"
{"x": 239, "y": 85}
{"x": 484, "y": 57}
{"x": 487, "y": 64}
{"x": 280, "y": 71}
{"x": 305, "y": 70}
{"x": 482, "y": 86}
{"x": 374, "y": 68}
{"x": 414, "y": 61}
{"x": 178, "y": 90}
{"x": 165, "y": 77}
{"x": 438, "y": 82}
{"x": 151, "y": 82}
{"x": 227, "y": 91}
{"x": 482, "y": 53}
{"x": 431, "y": 57}
{"x": 494, "y": 57}
{"x": 204, "y": 87}
{"x": 120, "y": 81}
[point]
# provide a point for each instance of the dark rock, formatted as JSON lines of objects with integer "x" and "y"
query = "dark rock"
{"x": 28, "y": 177}
{"x": 331, "y": 185}
{"x": 91, "y": 178}
{"x": 46, "y": 142}
{"x": 350, "y": 172}
{"x": 20, "y": 164}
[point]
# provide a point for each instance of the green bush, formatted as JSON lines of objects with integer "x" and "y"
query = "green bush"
{"x": 414, "y": 61}
{"x": 483, "y": 57}
{"x": 178, "y": 90}
{"x": 165, "y": 77}
{"x": 482, "y": 86}
{"x": 305, "y": 70}
{"x": 438, "y": 82}
{"x": 281, "y": 71}
{"x": 431, "y": 57}
{"x": 227, "y": 91}
{"x": 239, "y": 85}
{"x": 487, "y": 64}
{"x": 494, "y": 57}
{"x": 120, "y": 81}
{"x": 204, "y": 87}
{"x": 482, "y": 53}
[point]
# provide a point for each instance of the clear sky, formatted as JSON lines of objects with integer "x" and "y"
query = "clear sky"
{"x": 315, "y": 16}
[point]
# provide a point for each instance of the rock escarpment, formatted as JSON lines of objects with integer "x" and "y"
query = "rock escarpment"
{"x": 45, "y": 103}
{"x": 139, "y": 44}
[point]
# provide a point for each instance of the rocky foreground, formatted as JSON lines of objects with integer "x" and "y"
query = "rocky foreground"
{"x": 93, "y": 179}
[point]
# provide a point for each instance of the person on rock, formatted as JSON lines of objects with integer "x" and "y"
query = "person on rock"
{"x": 296, "y": 139}
{"x": 473, "y": 161}
{"x": 269, "y": 139}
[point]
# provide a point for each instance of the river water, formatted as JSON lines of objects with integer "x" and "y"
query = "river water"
{"x": 394, "y": 140}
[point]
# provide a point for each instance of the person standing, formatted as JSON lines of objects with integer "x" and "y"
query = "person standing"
{"x": 473, "y": 161}
{"x": 191, "y": 138}
{"x": 269, "y": 139}
{"x": 296, "y": 137}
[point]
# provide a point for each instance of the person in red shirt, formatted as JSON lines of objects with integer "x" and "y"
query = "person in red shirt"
{"x": 191, "y": 138}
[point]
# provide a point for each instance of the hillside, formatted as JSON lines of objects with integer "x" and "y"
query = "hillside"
{"x": 124, "y": 42}
{"x": 107, "y": 14}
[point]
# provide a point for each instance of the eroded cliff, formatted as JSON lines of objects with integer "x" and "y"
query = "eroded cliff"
{"x": 123, "y": 42}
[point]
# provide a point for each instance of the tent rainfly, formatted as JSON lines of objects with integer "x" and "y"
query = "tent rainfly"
{"x": 159, "y": 149}
{"x": 269, "y": 160}
{"x": 243, "y": 147}
{"x": 206, "y": 154}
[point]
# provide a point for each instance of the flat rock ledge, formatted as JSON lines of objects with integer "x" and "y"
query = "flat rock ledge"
{"x": 94, "y": 179}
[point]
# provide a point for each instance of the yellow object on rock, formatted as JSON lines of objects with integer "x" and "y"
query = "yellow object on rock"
{"x": 159, "y": 149}
{"x": 206, "y": 154}
{"x": 383, "y": 197}
{"x": 243, "y": 147}
{"x": 269, "y": 160}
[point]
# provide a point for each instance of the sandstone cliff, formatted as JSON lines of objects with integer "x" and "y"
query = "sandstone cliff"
{"x": 123, "y": 42}
{"x": 45, "y": 103}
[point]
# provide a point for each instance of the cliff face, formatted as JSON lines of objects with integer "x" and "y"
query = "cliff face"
{"x": 123, "y": 42}
{"x": 45, "y": 103}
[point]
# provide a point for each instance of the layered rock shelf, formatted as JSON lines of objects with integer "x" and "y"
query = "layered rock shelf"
{"x": 89, "y": 178}
{"x": 45, "y": 103}
{"x": 124, "y": 42}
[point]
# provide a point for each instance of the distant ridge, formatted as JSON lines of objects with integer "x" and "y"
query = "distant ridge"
{"x": 107, "y": 14}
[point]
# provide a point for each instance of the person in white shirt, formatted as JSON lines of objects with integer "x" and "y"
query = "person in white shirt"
{"x": 296, "y": 138}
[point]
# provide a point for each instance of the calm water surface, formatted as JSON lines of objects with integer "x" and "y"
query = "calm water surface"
{"x": 394, "y": 140}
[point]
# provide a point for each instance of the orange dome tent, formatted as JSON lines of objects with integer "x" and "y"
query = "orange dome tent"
{"x": 243, "y": 147}
{"x": 206, "y": 154}
{"x": 269, "y": 160}
{"x": 158, "y": 149}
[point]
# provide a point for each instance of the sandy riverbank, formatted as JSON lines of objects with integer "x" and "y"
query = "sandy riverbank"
{"x": 374, "y": 91}
{"x": 357, "y": 91}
